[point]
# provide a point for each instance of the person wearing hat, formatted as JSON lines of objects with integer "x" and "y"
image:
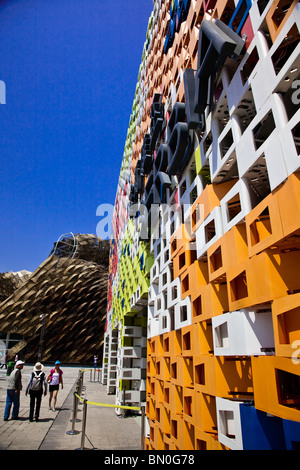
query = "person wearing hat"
{"x": 36, "y": 385}
{"x": 54, "y": 379}
{"x": 14, "y": 386}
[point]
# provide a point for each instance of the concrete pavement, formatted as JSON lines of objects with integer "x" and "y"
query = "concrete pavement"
{"x": 104, "y": 429}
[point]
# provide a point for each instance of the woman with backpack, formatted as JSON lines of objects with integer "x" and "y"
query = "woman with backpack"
{"x": 36, "y": 385}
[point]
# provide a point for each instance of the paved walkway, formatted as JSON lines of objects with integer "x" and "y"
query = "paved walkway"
{"x": 104, "y": 429}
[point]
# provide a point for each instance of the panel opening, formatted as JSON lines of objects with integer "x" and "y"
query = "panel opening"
{"x": 227, "y": 423}
{"x": 226, "y": 143}
{"x": 238, "y": 287}
{"x": 216, "y": 261}
{"x": 200, "y": 374}
{"x": 222, "y": 338}
{"x": 260, "y": 227}
{"x": 288, "y": 387}
{"x": 181, "y": 260}
{"x": 183, "y": 313}
{"x": 186, "y": 341}
{"x": 210, "y": 231}
{"x": 185, "y": 284}
{"x": 296, "y": 136}
{"x": 289, "y": 326}
{"x": 279, "y": 14}
{"x": 263, "y": 129}
{"x": 197, "y": 307}
{"x": 286, "y": 48}
{"x": 249, "y": 65}
{"x": 233, "y": 207}
{"x": 187, "y": 405}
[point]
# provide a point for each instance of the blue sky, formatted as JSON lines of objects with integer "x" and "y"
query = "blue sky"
{"x": 70, "y": 69}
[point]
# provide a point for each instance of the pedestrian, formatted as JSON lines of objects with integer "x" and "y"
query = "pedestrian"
{"x": 95, "y": 361}
{"x": 36, "y": 385}
{"x": 4, "y": 364}
{"x": 14, "y": 386}
{"x": 54, "y": 379}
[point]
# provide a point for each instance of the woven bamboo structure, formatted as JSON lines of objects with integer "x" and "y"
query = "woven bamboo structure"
{"x": 60, "y": 308}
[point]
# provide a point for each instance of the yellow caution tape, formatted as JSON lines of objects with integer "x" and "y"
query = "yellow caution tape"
{"x": 109, "y": 405}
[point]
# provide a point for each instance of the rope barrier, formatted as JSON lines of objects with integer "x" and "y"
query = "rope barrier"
{"x": 109, "y": 405}
{"x": 77, "y": 397}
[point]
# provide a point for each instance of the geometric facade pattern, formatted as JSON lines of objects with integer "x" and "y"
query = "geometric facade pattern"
{"x": 59, "y": 310}
{"x": 204, "y": 289}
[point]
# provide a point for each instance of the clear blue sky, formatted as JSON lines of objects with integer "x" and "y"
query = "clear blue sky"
{"x": 70, "y": 69}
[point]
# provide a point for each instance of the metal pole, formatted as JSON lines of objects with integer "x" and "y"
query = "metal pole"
{"x": 143, "y": 427}
{"x": 73, "y": 431}
{"x": 83, "y": 424}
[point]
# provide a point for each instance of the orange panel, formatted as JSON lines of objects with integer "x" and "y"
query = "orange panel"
{"x": 159, "y": 393}
{"x": 223, "y": 6}
{"x": 207, "y": 441}
{"x": 151, "y": 366}
{"x": 206, "y": 413}
{"x": 202, "y": 338}
{"x": 158, "y": 438}
{"x": 177, "y": 430}
{"x": 288, "y": 197}
{"x": 188, "y": 431}
{"x": 199, "y": 277}
{"x": 277, "y": 386}
{"x": 273, "y": 274}
{"x": 278, "y": 15}
{"x": 215, "y": 300}
{"x": 222, "y": 376}
{"x": 198, "y": 303}
{"x": 216, "y": 260}
{"x": 240, "y": 293}
{"x": 158, "y": 345}
{"x": 176, "y": 399}
{"x": 263, "y": 225}
{"x": 187, "y": 340}
{"x": 165, "y": 421}
{"x": 235, "y": 248}
{"x": 286, "y": 324}
{"x": 167, "y": 395}
{"x": 189, "y": 405}
{"x": 179, "y": 239}
{"x": 207, "y": 201}
{"x": 212, "y": 300}
{"x": 175, "y": 343}
{"x": 150, "y": 408}
{"x": 182, "y": 371}
{"x": 183, "y": 260}
{"x": 167, "y": 442}
{"x": 262, "y": 278}
{"x": 159, "y": 367}
{"x": 167, "y": 344}
{"x": 186, "y": 282}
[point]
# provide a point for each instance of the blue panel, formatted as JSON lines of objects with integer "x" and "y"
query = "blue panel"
{"x": 142, "y": 262}
{"x": 292, "y": 434}
{"x": 260, "y": 431}
{"x": 241, "y": 11}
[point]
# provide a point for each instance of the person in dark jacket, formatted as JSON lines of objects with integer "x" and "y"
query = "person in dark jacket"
{"x": 14, "y": 387}
{"x": 37, "y": 384}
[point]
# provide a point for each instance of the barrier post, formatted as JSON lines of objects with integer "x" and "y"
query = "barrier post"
{"x": 83, "y": 424}
{"x": 143, "y": 427}
{"x": 73, "y": 430}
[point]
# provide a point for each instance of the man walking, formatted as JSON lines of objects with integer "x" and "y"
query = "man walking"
{"x": 14, "y": 387}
